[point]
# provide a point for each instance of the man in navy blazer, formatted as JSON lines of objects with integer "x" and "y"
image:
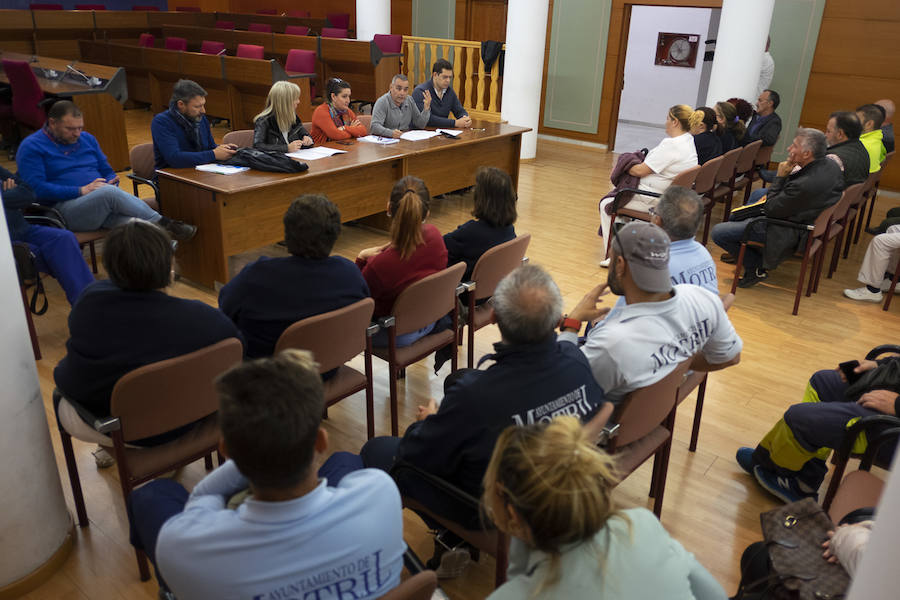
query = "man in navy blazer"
{"x": 443, "y": 99}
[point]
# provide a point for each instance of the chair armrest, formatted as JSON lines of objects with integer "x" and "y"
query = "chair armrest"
{"x": 877, "y": 351}
{"x": 441, "y": 484}
{"x": 636, "y": 191}
{"x": 101, "y": 424}
{"x": 386, "y": 322}
{"x": 875, "y": 445}
{"x": 372, "y": 329}
{"x": 143, "y": 180}
{"x": 108, "y": 424}
{"x": 460, "y": 289}
{"x": 39, "y": 210}
{"x": 846, "y": 448}
{"x": 467, "y": 286}
{"x": 607, "y": 433}
{"x": 44, "y": 221}
{"x": 751, "y": 223}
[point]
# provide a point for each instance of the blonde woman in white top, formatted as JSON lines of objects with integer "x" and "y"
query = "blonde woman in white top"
{"x": 676, "y": 153}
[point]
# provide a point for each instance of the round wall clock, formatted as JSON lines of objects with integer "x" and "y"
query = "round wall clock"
{"x": 677, "y": 49}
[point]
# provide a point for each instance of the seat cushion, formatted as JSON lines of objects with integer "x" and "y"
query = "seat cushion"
{"x": 201, "y": 440}
{"x": 485, "y": 540}
{"x": 346, "y": 381}
{"x": 631, "y": 456}
{"x": 418, "y": 349}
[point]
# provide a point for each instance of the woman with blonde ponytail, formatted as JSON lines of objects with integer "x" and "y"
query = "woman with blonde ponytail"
{"x": 703, "y": 128}
{"x": 416, "y": 250}
{"x": 550, "y": 489}
{"x": 676, "y": 153}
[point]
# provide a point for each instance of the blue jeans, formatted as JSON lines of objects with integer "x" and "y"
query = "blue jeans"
{"x": 104, "y": 208}
{"x": 58, "y": 255}
{"x": 728, "y": 236}
{"x": 755, "y": 195}
{"x": 380, "y": 339}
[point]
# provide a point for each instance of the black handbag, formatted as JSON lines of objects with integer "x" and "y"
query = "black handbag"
{"x": 263, "y": 160}
{"x": 29, "y": 276}
{"x": 885, "y": 376}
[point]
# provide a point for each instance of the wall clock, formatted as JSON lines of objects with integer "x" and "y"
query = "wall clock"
{"x": 677, "y": 49}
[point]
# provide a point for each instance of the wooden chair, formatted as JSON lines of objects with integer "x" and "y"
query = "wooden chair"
{"x": 837, "y": 226}
{"x": 260, "y": 27}
{"x": 227, "y": 25}
{"x": 242, "y": 138}
{"x": 420, "y": 586}
{"x": 642, "y": 427}
{"x": 147, "y": 40}
{"x": 152, "y": 400}
{"x": 335, "y": 338}
{"x": 889, "y": 295}
{"x": 743, "y": 171}
{"x": 855, "y": 211}
{"x": 494, "y": 265}
{"x": 143, "y": 167}
{"x": 419, "y": 305}
{"x": 723, "y": 189}
{"x": 212, "y": 47}
{"x": 884, "y": 163}
{"x": 175, "y": 43}
{"x": 697, "y": 380}
{"x": 296, "y": 30}
{"x": 704, "y": 184}
{"x": 814, "y": 246}
{"x": 334, "y": 32}
{"x": 39, "y": 214}
{"x": 338, "y": 20}
{"x": 760, "y": 161}
{"x": 487, "y": 539}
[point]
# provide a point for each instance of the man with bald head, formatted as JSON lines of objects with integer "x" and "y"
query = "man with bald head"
{"x": 887, "y": 128}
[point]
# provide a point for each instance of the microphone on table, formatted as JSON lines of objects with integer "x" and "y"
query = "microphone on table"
{"x": 221, "y": 52}
{"x": 71, "y": 69}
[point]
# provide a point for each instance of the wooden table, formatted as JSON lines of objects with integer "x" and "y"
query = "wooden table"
{"x": 237, "y": 213}
{"x": 100, "y": 104}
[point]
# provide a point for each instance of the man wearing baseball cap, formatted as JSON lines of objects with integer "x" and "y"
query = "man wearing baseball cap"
{"x": 659, "y": 327}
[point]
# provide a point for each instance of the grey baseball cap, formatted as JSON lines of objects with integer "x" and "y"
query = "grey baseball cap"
{"x": 645, "y": 247}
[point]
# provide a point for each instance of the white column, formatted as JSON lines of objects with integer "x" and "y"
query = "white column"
{"x": 526, "y": 32}
{"x": 372, "y": 16}
{"x": 743, "y": 29}
{"x": 34, "y": 521}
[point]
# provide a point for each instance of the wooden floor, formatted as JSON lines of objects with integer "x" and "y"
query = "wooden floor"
{"x": 711, "y": 506}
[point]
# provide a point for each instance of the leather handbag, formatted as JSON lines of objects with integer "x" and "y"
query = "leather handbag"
{"x": 794, "y": 534}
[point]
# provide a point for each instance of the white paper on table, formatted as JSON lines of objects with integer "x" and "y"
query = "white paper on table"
{"x": 417, "y": 134}
{"x": 221, "y": 169}
{"x": 377, "y": 139}
{"x": 315, "y": 153}
{"x": 453, "y": 132}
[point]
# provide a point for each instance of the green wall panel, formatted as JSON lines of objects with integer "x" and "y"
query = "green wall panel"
{"x": 434, "y": 18}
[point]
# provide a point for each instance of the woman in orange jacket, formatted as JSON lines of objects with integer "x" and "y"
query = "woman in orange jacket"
{"x": 334, "y": 120}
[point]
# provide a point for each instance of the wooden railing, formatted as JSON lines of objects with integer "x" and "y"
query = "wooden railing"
{"x": 479, "y": 90}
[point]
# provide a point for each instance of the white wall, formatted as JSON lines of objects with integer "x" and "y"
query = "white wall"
{"x": 650, "y": 89}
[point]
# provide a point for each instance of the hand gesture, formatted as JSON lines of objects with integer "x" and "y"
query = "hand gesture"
{"x": 223, "y": 151}
{"x": 295, "y": 145}
{"x": 426, "y": 100}
{"x": 94, "y": 185}
{"x": 463, "y": 122}
{"x": 397, "y": 133}
{"x": 426, "y": 410}
{"x": 587, "y": 309}
{"x": 784, "y": 168}
{"x": 355, "y": 123}
{"x": 883, "y": 401}
{"x": 8, "y": 184}
{"x": 307, "y": 141}
{"x": 114, "y": 181}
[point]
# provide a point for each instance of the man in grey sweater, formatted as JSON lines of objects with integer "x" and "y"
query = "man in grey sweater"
{"x": 395, "y": 112}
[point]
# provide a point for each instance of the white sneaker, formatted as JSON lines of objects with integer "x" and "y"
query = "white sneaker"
{"x": 886, "y": 285}
{"x": 102, "y": 458}
{"x": 864, "y": 295}
{"x": 604, "y": 263}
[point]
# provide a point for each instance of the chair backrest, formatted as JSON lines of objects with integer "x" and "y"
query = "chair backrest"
{"x": 389, "y": 43}
{"x": 242, "y": 138}
{"x": 339, "y": 20}
{"x": 26, "y": 93}
{"x": 497, "y": 263}
{"x": 887, "y": 158}
{"x": 146, "y": 8}
{"x": 176, "y": 43}
{"x": 303, "y": 14}
{"x": 821, "y": 223}
{"x": 706, "y": 176}
{"x": 300, "y": 61}
{"x": 143, "y": 163}
{"x": 848, "y": 198}
{"x": 748, "y": 155}
{"x": 39, "y": 6}
{"x": 763, "y": 156}
{"x": 224, "y": 24}
{"x": 644, "y": 409}
{"x": 334, "y": 32}
{"x": 297, "y": 30}
{"x": 267, "y": 11}
{"x": 168, "y": 394}
{"x": 211, "y": 47}
{"x": 90, "y": 7}
{"x": 250, "y": 51}
{"x": 726, "y": 167}
{"x": 427, "y": 300}
{"x": 260, "y": 27}
{"x": 420, "y": 586}
{"x": 365, "y": 120}
{"x": 147, "y": 40}
{"x": 187, "y": 9}
{"x": 687, "y": 177}
{"x": 334, "y": 337}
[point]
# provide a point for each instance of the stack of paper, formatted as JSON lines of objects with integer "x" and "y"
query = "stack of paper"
{"x": 315, "y": 153}
{"x": 377, "y": 139}
{"x": 221, "y": 169}
{"x": 417, "y": 134}
{"x": 453, "y": 132}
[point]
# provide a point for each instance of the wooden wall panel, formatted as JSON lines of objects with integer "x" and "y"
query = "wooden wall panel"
{"x": 317, "y": 8}
{"x": 871, "y": 10}
{"x": 401, "y": 17}
{"x": 481, "y": 20}
{"x": 845, "y": 36}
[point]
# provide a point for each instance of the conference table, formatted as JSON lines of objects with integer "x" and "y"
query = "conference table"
{"x": 99, "y": 95}
{"x": 241, "y": 212}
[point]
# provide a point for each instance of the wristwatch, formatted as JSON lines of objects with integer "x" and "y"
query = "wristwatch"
{"x": 567, "y": 323}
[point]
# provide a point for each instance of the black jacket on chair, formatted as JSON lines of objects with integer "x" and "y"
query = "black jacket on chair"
{"x": 267, "y": 136}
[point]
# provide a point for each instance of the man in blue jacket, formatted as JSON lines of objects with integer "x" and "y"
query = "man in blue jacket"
{"x": 443, "y": 99}
{"x": 67, "y": 170}
{"x": 181, "y": 135}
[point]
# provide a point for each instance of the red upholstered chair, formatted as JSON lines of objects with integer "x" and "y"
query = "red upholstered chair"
{"x": 339, "y": 20}
{"x": 187, "y": 8}
{"x": 224, "y": 24}
{"x": 176, "y": 43}
{"x": 90, "y": 7}
{"x": 334, "y": 32}
{"x": 210, "y": 47}
{"x": 26, "y": 94}
{"x": 260, "y": 27}
{"x": 250, "y": 51}
{"x": 302, "y": 14}
{"x": 300, "y": 61}
{"x": 389, "y": 43}
{"x": 267, "y": 11}
{"x": 296, "y": 30}
{"x": 38, "y": 6}
{"x": 147, "y": 40}
{"x": 147, "y": 8}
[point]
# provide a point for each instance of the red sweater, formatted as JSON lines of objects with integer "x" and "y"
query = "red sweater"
{"x": 388, "y": 275}
{"x": 323, "y": 127}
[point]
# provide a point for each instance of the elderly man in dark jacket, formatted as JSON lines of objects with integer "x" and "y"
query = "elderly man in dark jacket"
{"x": 796, "y": 194}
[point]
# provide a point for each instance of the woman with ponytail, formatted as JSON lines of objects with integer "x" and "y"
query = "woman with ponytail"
{"x": 550, "y": 489}
{"x": 731, "y": 128}
{"x": 333, "y": 119}
{"x": 676, "y": 153}
{"x": 703, "y": 128}
{"x": 416, "y": 250}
